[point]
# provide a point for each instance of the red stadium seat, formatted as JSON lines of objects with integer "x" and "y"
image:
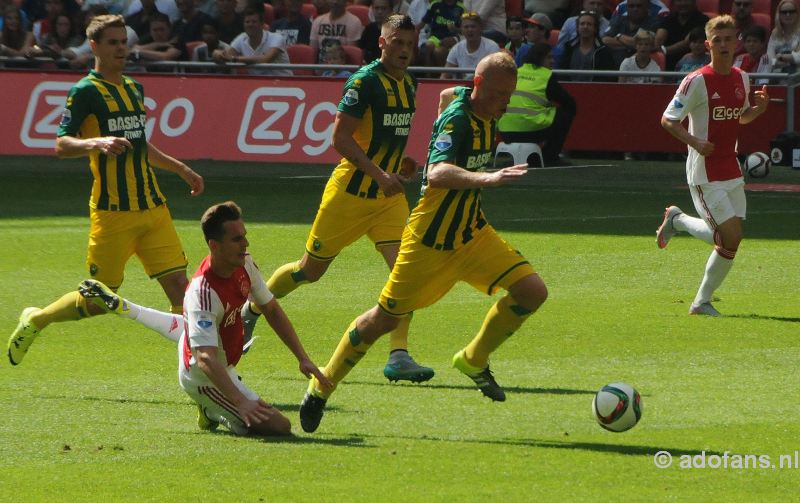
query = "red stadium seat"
{"x": 763, "y": 20}
{"x": 353, "y": 55}
{"x": 513, "y": 8}
{"x": 658, "y": 57}
{"x": 361, "y": 12}
{"x": 763, "y": 7}
{"x": 308, "y": 10}
{"x": 302, "y": 54}
{"x": 269, "y": 14}
{"x": 191, "y": 46}
{"x": 708, "y": 7}
{"x": 553, "y": 37}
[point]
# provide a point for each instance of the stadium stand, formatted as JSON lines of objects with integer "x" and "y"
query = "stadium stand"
{"x": 360, "y": 11}
{"x": 302, "y": 54}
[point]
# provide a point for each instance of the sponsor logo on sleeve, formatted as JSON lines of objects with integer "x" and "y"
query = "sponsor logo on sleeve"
{"x": 204, "y": 323}
{"x": 677, "y": 103}
{"x": 350, "y": 98}
{"x": 443, "y": 142}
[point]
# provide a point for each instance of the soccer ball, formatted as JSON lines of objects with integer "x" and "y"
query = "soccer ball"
{"x": 617, "y": 407}
{"x": 757, "y": 165}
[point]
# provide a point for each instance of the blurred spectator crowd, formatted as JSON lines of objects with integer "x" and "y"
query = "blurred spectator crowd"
{"x": 231, "y": 35}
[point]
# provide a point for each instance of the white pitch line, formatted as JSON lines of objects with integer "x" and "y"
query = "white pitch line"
{"x": 624, "y": 217}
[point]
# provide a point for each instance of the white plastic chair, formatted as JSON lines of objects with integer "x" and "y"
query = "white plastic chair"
{"x": 520, "y": 152}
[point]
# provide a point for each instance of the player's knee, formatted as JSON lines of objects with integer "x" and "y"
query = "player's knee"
{"x": 375, "y": 323}
{"x": 529, "y": 292}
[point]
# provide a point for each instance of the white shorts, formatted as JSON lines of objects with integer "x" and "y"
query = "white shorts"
{"x": 717, "y": 202}
{"x": 215, "y": 405}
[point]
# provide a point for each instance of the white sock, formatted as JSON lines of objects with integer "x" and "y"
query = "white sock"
{"x": 169, "y": 325}
{"x": 717, "y": 268}
{"x": 697, "y": 227}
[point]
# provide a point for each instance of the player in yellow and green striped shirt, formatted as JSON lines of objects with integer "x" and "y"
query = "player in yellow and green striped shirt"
{"x": 104, "y": 119}
{"x": 365, "y": 194}
{"x": 447, "y": 240}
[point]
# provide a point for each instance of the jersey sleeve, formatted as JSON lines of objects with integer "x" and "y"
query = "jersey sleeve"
{"x": 357, "y": 95}
{"x": 202, "y": 308}
{"x": 688, "y": 96}
{"x": 446, "y": 138}
{"x": 75, "y": 111}
{"x": 259, "y": 293}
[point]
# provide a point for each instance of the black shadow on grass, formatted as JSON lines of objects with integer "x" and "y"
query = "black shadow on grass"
{"x": 630, "y": 450}
{"x": 349, "y": 441}
{"x": 763, "y": 317}
{"x": 509, "y": 389}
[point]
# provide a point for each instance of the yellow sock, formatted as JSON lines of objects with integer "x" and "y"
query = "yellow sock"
{"x": 502, "y": 320}
{"x": 285, "y": 279}
{"x": 176, "y": 309}
{"x": 348, "y": 353}
{"x": 71, "y": 306}
{"x": 398, "y": 338}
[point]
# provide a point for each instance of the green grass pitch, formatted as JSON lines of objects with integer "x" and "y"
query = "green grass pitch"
{"x": 94, "y": 413}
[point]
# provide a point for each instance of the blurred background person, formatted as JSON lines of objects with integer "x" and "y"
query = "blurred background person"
{"x": 672, "y": 36}
{"x": 540, "y": 109}
{"x": 697, "y": 56}
{"x": 295, "y": 27}
{"x": 474, "y": 47}
{"x": 784, "y": 44}
{"x": 587, "y": 51}
{"x": 15, "y": 39}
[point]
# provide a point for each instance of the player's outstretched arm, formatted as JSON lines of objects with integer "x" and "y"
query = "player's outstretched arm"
{"x": 251, "y": 411}
{"x": 70, "y": 146}
{"x": 168, "y": 163}
{"x": 676, "y": 129}
{"x": 277, "y": 319}
{"x": 344, "y": 127}
{"x": 444, "y": 175}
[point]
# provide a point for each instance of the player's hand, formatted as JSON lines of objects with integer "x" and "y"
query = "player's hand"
{"x": 391, "y": 184}
{"x": 408, "y": 169}
{"x": 762, "y": 98}
{"x": 308, "y": 368}
{"x": 703, "y": 147}
{"x": 506, "y": 175}
{"x": 255, "y": 411}
{"x": 111, "y": 145}
{"x": 193, "y": 180}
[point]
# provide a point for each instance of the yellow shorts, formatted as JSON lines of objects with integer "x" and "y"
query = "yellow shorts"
{"x": 343, "y": 218}
{"x": 116, "y": 235}
{"x": 422, "y": 275}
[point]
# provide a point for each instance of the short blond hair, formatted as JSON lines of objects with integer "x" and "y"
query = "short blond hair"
{"x": 495, "y": 63}
{"x": 98, "y": 25}
{"x": 724, "y": 22}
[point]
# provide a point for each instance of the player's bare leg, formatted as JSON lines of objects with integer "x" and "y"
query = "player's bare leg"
{"x": 174, "y": 285}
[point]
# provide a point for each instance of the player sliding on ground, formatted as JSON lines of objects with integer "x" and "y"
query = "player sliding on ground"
{"x": 365, "y": 194}
{"x": 447, "y": 239}
{"x": 209, "y": 334}
{"x": 715, "y": 98}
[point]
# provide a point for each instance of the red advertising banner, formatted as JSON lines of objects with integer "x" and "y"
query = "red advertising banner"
{"x": 290, "y": 120}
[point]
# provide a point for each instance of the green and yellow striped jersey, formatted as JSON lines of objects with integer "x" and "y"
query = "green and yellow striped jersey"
{"x": 385, "y": 106}
{"x": 96, "y": 107}
{"x": 446, "y": 219}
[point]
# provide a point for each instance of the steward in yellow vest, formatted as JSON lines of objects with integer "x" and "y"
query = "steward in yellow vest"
{"x": 540, "y": 110}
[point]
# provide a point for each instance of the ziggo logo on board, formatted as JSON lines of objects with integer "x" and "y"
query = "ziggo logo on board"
{"x": 271, "y": 122}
